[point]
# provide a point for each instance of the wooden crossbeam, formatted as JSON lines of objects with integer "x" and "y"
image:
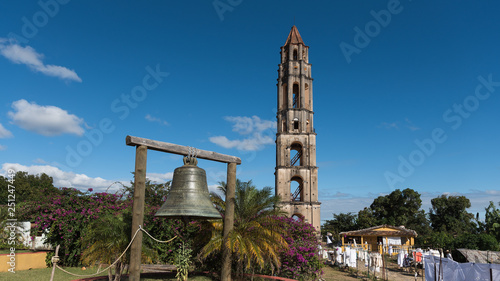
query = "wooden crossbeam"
{"x": 181, "y": 150}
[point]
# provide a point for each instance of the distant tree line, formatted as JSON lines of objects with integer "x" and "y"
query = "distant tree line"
{"x": 447, "y": 225}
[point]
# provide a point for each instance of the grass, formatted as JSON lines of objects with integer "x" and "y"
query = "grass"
{"x": 6, "y": 251}
{"x": 44, "y": 275}
{"x": 190, "y": 278}
{"x": 333, "y": 273}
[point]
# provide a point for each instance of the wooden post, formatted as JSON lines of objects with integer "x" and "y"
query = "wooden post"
{"x": 55, "y": 259}
{"x": 228, "y": 221}
{"x": 369, "y": 263}
{"x": 383, "y": 264}
{"x": 138, "y": 211}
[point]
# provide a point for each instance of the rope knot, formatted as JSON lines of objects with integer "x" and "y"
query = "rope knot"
{"x": 55, "y": 259}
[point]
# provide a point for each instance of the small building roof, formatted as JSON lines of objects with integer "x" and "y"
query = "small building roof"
{"x": 381, "y": 230}
{"x": 294, "y": 37}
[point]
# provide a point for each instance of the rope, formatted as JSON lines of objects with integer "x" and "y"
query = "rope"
{"x": 129, "y": 244}
{"x": 159, "y": 241}
{"x": 190, "y": 158}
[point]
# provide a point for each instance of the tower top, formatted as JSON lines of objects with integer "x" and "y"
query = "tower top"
{"x": 294, "y": 37}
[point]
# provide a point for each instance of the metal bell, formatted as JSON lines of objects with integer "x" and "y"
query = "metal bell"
{"x": 188, "y": 197}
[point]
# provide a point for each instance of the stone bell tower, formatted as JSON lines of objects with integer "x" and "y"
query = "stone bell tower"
{"x": 296, "y": 170}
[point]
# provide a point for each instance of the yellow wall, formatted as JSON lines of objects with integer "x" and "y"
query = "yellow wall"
{"x": 23, "y": 261}
{"x": 373, "y": 243}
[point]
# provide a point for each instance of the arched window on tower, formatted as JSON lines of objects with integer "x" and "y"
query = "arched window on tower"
{"x": 297, "y": 189}
{"x": 295, "y": 123}
{"x": 296, "y": 154}
{"x": 307, "y": 96}
{"x": 298, "y": 217}
{"x": 285, "y": 96}
{"x": 295, "y": 54}
{"x": 296, "y": 96}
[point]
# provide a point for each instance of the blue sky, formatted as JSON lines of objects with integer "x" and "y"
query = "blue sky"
{"x": 406, "y": 93}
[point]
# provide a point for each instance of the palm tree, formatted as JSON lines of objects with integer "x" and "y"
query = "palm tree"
{"x": 106, "y": 239}
{"x": 256, "y": 238}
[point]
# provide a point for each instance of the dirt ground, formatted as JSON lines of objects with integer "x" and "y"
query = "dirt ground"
{"x": 393, "y": 273}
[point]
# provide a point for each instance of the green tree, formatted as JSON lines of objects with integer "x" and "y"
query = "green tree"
{"x": 27, "y": 187}
{"x": 366, "y": 219}
{"x": 256, "y": 239}
{"x": 104, "y": 241}
{"x": 10, "y": 234}
{"x": 481, "y": 241}
{"x": 440, "y": 240}
{"x": 399, "y": 208}
{"x": 106, "y": 238}
{"x": 449, "y": 214}
{"x": 492, "y": 220}
{"x": 155, "y": 193}
{"x": 341, "y": 222}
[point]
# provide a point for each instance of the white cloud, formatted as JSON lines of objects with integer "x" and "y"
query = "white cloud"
{"x": 159, "y": 178}
{"x": 396, "y": 125}
{"x": 4, "y": 133}
{"x": 3, "y": 147}
{"x": 65, "y": 179}
{"x": 493, "y": 192}
{"x": 45, "y": 120}
{"x": 259, "y": 133}
{"x": 28, "y": 56}
{"x": 410, "y": 125}
{"x": 40, "y": 161}
{"x": 246, "y": 125}
{"x": 215, "y": 188}
{"x": 255, "y": 142}
{"x": 389, "y": 126}
{"x": 155, "y": 119}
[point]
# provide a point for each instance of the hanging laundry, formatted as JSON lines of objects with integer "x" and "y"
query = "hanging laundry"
{"x": 375, "y": 262}
{"x": 401, "y": 257}
{"x": 338, "y": 255}
{"x": 352, "y": 258}
{"x": 418, "y": 256}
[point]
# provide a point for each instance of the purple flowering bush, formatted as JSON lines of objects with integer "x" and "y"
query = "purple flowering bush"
{"x": 66, "y": 215}
{"x": 301, "y": 260}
